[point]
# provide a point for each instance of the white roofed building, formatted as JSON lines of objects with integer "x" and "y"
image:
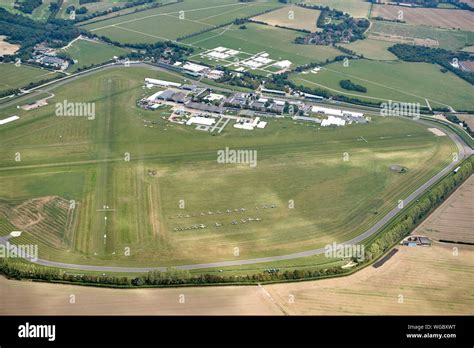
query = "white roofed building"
{"x": 162, "y": 83}
{"x": 333, "y": 121}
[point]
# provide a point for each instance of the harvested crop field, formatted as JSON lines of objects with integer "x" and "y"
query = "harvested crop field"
{"x": 356, "y": 8}
{"x": 294, "y": 17}
{"x": 414, "y": 281}
{"x": 432, "y": 281}
{"x": 468, "y": 118}
{"x": 454, "y": 220}
{"x": 441, "y": 18}
{"x": 30, "y": 298}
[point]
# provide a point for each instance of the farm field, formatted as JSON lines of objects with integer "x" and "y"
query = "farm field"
{"x": 22, "y": 298}
{"x": 88, "y": 52}
{"x": 7, "y": 48}
{"x": 372, "y": 49}
{"x": 431, "y": 281}
{"x": 176, "y": 20}
{"x": 16, "y": 77}
{"x": 356, "y": 8}
{"x": 454, "y": 219}
{"x": 295, "y": 17}
{"x": 420, "y": 35}
{"x": 279, "y": 45}
{"x": 83, "y": 160}
{"x": 440, "y": 18}
{"x": 397, "y": 81}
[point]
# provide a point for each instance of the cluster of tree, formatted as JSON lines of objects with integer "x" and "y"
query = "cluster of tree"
{"x": 419, "y": 211}
{"x": 464, "y": 6}
{"x": 80, "y": 11}
{"x": 82, "y": 2}
{"x": 157, "y": 51}
{"x": 245, "y": 80}
{"x": 177, "y": 277}
{"x": 337, "y": 27}
{"x": 439, "y": 56}
{"x": 24, "y": 31}
{"x": 453, "y": 118}
{"x": 54, "y": 8}
{"x": 351, "y": 86}
{"x": 328, "y": 15}
{"x": 279, "y": 26}
{"x": 27, "y": 6}
{"x": 380, "y": 18}
{"x": 348, "y": 51}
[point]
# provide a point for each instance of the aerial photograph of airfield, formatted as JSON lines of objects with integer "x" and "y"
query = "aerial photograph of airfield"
{"x": 231, "y": 157}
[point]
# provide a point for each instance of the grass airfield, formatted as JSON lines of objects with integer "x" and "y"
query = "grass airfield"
{"x": 334, "y": 200}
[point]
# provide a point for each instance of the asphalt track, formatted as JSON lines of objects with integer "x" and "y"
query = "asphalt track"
{"x": 463, "y": 152}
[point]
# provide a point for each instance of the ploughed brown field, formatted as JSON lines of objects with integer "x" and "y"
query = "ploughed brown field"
{"x": 440, "y": 18}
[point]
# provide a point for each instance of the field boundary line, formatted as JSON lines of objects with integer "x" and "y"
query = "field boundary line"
{"x": 226, "y": 29}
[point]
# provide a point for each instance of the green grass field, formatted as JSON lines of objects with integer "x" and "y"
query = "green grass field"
{"x": 41, "y": 13}
{"x": 176, "y": 20}
{"x": 83, "y": 160}
{"x": 15, "y": 77}
{"x": 372, "y": 49}
{"x": 277, "y": 42}
{"x": 89, "y": 53}
{"x": 447, "y": 39}
{"x": 397, "y": 81}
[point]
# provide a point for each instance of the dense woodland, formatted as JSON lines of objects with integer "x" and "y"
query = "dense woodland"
{"x": 27, "y": 6}
{"x": 27, "y": 32}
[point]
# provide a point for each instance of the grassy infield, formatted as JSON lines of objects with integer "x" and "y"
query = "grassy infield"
{"x": 334, "y": 200}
